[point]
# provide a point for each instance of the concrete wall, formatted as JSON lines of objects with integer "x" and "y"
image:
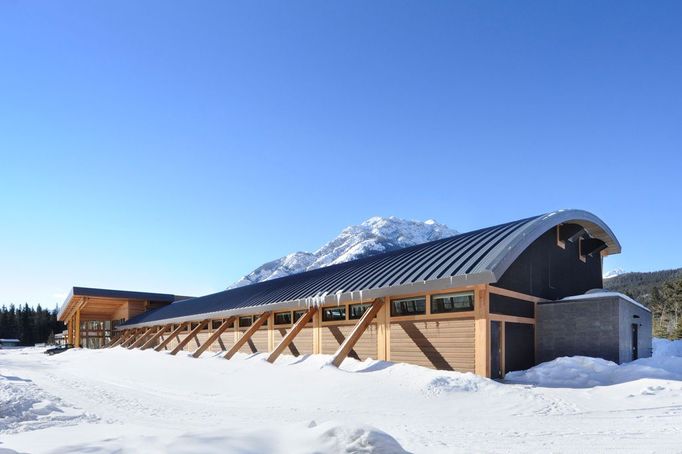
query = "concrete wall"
{"x": 595, "y": 326}
{"x": 628, "y": 311}
{"x": 586, "y": 328}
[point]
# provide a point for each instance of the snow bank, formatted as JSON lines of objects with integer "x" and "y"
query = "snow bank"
{"x": 23, "y": 407}
{"x": 666, "y": 348}
{"x": 331, "y": 437}
{"x": 586, "y": 372}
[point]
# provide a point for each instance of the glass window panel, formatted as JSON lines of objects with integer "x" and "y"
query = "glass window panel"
{"x": 283, "y": 318}
{"x": 455, "y": 302}
{"x": 330, "y": 314}
{"x": 298, "y": 314}
{"x": 355, "y": 311}
{"x": 245, "y": 321}
{"x": 408, "y": 306}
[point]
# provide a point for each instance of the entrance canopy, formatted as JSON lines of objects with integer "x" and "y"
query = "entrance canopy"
{"x": 105, "y": 304}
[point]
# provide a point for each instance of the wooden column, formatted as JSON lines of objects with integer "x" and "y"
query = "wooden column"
{"x": 247, "y": 335}
{"x": 78, "y": 328}
{"x": 482, "y": 332}
{"x": 155, "y": 337}
{"x": 214, "y": 337}
{"x": 298, "y": 326}
{"x": 192, "y": 334}
{"x": 271, "y": 332}
{"x": 360, "y": 328}
{"x": 382, "y": 332}
{"x": 170, "y": 337}
{"x": 317, "y": 332}
{"x": 141, "y": 339}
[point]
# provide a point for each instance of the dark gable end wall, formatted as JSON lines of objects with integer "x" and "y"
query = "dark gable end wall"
{"x": 547, "y": 271}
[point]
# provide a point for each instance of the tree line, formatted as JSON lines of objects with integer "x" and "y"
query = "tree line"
{"x": 29, "y": 325}
{"x": 661, "y": 292}
{"x": 666, "y": 309}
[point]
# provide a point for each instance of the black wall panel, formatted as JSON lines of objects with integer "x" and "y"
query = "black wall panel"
{"x": 546, "y": 270}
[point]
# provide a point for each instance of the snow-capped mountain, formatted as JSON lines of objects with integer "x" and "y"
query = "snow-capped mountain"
{"x": 375, "y": 235}
{"x": 613, "y": 273}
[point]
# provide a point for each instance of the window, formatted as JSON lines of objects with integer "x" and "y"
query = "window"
{"x": 245, "y": 321}
{"x": 298, "y": 314}
{"x": 453, "y": 302}
{"x": 215, "y": 324}
{"x": 192, "y": 326}
{"x": 282, "y": 318}
{"x": 355, "y": 311}
{"x": 330, "y": 314}
{"x": 408, "y": 306}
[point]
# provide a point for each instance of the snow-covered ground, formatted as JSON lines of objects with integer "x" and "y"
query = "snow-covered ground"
{"x": 105, "y": 401}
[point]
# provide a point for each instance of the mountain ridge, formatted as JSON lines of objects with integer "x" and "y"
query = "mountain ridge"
{"x": 373, "y": 236}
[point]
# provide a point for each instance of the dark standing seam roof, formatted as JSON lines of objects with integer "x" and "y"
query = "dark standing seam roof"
{"x": 475, "y": 257}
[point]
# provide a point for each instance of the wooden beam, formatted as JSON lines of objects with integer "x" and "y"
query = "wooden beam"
{"x": 155, "y": 337}
{"x": 170, "y": 337}
{"x": 298, "y": 326}
{"x": 214, "y": 337}
{"x": 117, "y": 340}
{"x": 247, "y": 335}
{"x": 192, "y": 334}
{"x": 515, "y": 295}
{"x": 141, "y": 339}
{"x": 124, "y": 338}
{"x": 131, "y": 339}
{"x": 360, "y": 328}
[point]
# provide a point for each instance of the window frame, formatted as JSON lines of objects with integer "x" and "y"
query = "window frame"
{"x": 435, "y": 297}
{"x": 300, "y": 312}
{"x": 274, "y": 318}
{"x": 411, "y": 314}
{"x": 247, "y": 317}
{"x": 349, "y": 312}
{"x": 335, "y": 308}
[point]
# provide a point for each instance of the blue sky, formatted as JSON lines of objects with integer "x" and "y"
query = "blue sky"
{"x": 174, "y": 146}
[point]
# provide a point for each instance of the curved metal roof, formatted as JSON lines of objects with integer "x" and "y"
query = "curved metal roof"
{"x": 477, "y": 257}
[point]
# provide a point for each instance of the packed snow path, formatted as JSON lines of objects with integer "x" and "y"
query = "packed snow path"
{"x": 103, "y": 401}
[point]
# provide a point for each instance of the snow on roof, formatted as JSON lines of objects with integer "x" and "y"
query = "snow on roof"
{"x": 10, "y": 340}
{"x": 598, "y": 293}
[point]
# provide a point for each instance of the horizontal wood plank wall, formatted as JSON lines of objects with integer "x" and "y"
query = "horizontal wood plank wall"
{"x": 257, "y": 343}
{"x": 224, "y": 342}
{"x": 438, "y": 344}
{"x": 334, "y": 335}
{"x": 302, "y": 343}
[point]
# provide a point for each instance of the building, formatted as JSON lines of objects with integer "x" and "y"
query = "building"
{"x": 467, "y": 303}
{"x": 5, "y": 343}
{"x": 618, "y": 327}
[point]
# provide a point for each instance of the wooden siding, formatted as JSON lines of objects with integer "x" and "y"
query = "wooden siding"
{"x": 439, "y": 344}
{"x": 334, "y": 335}
{"x": 225, "y": 341}
{"x": 302, "y": 343}
{"x": 257, "y": 343}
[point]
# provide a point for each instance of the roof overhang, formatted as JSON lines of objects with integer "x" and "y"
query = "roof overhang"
{"x": 97, "y": 302}
{"x": 594, "y": 227}
{"x": 462, "y": 282}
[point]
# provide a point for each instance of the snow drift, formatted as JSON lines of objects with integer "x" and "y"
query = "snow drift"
{"x": 585, "y": 372}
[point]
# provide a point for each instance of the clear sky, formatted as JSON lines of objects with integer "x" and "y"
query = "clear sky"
{"x": 174, "y": 146}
